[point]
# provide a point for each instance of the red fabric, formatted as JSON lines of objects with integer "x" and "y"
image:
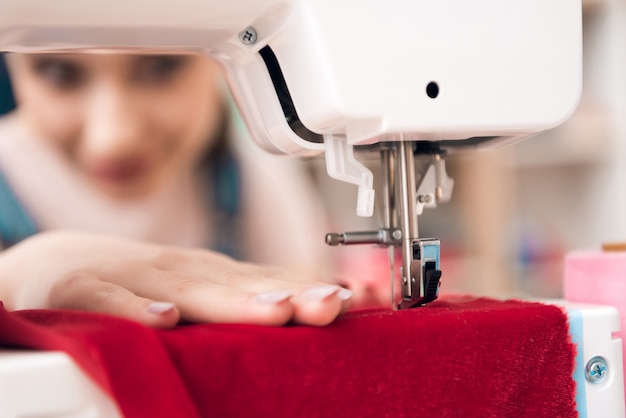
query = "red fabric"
{"x": 456, "y": 357}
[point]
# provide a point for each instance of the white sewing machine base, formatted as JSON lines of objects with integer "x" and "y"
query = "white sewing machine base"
{"x": 39, "y": 384}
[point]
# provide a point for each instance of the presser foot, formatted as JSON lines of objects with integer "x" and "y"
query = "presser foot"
{"x": 421, "y": 285}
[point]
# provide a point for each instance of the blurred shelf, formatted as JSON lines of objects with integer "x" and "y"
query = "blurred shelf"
{"x": 582, "y": 140}
{"x": 591, "y": 5}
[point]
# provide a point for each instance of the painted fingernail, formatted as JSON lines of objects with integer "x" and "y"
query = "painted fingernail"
{"x": 272, "y": 298}
{"x": 344, "y": 294}
{"x": 319, "y": 293}
{"x": 158, "y": 308}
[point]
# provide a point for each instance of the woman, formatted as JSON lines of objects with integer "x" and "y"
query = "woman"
{"x": 117, "y": 168}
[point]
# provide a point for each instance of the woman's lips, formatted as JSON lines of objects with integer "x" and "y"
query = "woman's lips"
{"x": 119, "y": 171}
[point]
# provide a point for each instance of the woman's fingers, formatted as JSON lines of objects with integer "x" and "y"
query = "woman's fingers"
{"x": 203, "y": 287}
{"x": 202, "y": 300}
{"x": 253, "y": 298}
{"x": 83, "y": 290}
{"x": 321, "y": 305}
{"x": 223, "y": 270}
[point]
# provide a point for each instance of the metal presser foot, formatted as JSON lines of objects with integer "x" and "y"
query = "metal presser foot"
{"x": 420, "y": 274}
{"x": 421, "y": 285}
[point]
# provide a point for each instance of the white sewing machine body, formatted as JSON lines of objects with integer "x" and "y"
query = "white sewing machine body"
{"x": 496, "y": 68}
{"x": 49, "y": 384}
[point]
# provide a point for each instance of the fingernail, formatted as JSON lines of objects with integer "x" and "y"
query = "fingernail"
{"x": 158, "y": 308}
{"x": 344, "y": 294}
{"x": 319, "y": 293}
{"x": 272, "y": 298}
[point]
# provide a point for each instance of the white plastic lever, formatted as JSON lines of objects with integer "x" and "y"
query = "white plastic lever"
{"x": 342, "y": 165}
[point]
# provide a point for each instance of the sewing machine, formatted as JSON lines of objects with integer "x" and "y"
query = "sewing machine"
{"x": 409, "y": 80}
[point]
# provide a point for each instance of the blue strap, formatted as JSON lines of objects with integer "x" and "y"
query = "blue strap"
{"x": 226, "y": 180}
{"x": 15, "y": 222}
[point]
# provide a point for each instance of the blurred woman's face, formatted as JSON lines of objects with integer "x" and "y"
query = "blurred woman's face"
{"x": 125, "y": 122}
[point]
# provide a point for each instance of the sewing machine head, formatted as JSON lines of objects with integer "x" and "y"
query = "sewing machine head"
{"x": 323, "y": 76}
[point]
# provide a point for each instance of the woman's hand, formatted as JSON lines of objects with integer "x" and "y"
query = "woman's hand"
{"x": 158, "y": 285}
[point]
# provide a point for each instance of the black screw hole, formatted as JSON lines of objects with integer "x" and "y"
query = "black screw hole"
{"x": 432, "y": 90}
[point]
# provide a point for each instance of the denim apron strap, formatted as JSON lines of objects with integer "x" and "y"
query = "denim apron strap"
{"x": 15, "y": 222}
{"x": 225, "y": 178}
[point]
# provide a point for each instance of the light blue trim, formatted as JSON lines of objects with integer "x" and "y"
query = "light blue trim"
{"x": 431, "y": 253}
{"x": 576, "y": 332}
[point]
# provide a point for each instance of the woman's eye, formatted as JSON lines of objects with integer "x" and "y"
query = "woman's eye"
{"x": 159, "y": 68}
{"x": 61, "y": 73}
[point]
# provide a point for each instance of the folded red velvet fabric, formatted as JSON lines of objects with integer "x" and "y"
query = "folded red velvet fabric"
{"x": 458, "y": 357}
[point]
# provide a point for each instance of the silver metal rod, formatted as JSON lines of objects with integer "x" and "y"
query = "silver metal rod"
{"x": 408, "y": 218}
{"x": 379, "y": 237}
{"x": 390, "y": 220}
{"x": 389, "y": 187}
{"x": 439, "y": 176}
{"x": 357, "y": 237}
